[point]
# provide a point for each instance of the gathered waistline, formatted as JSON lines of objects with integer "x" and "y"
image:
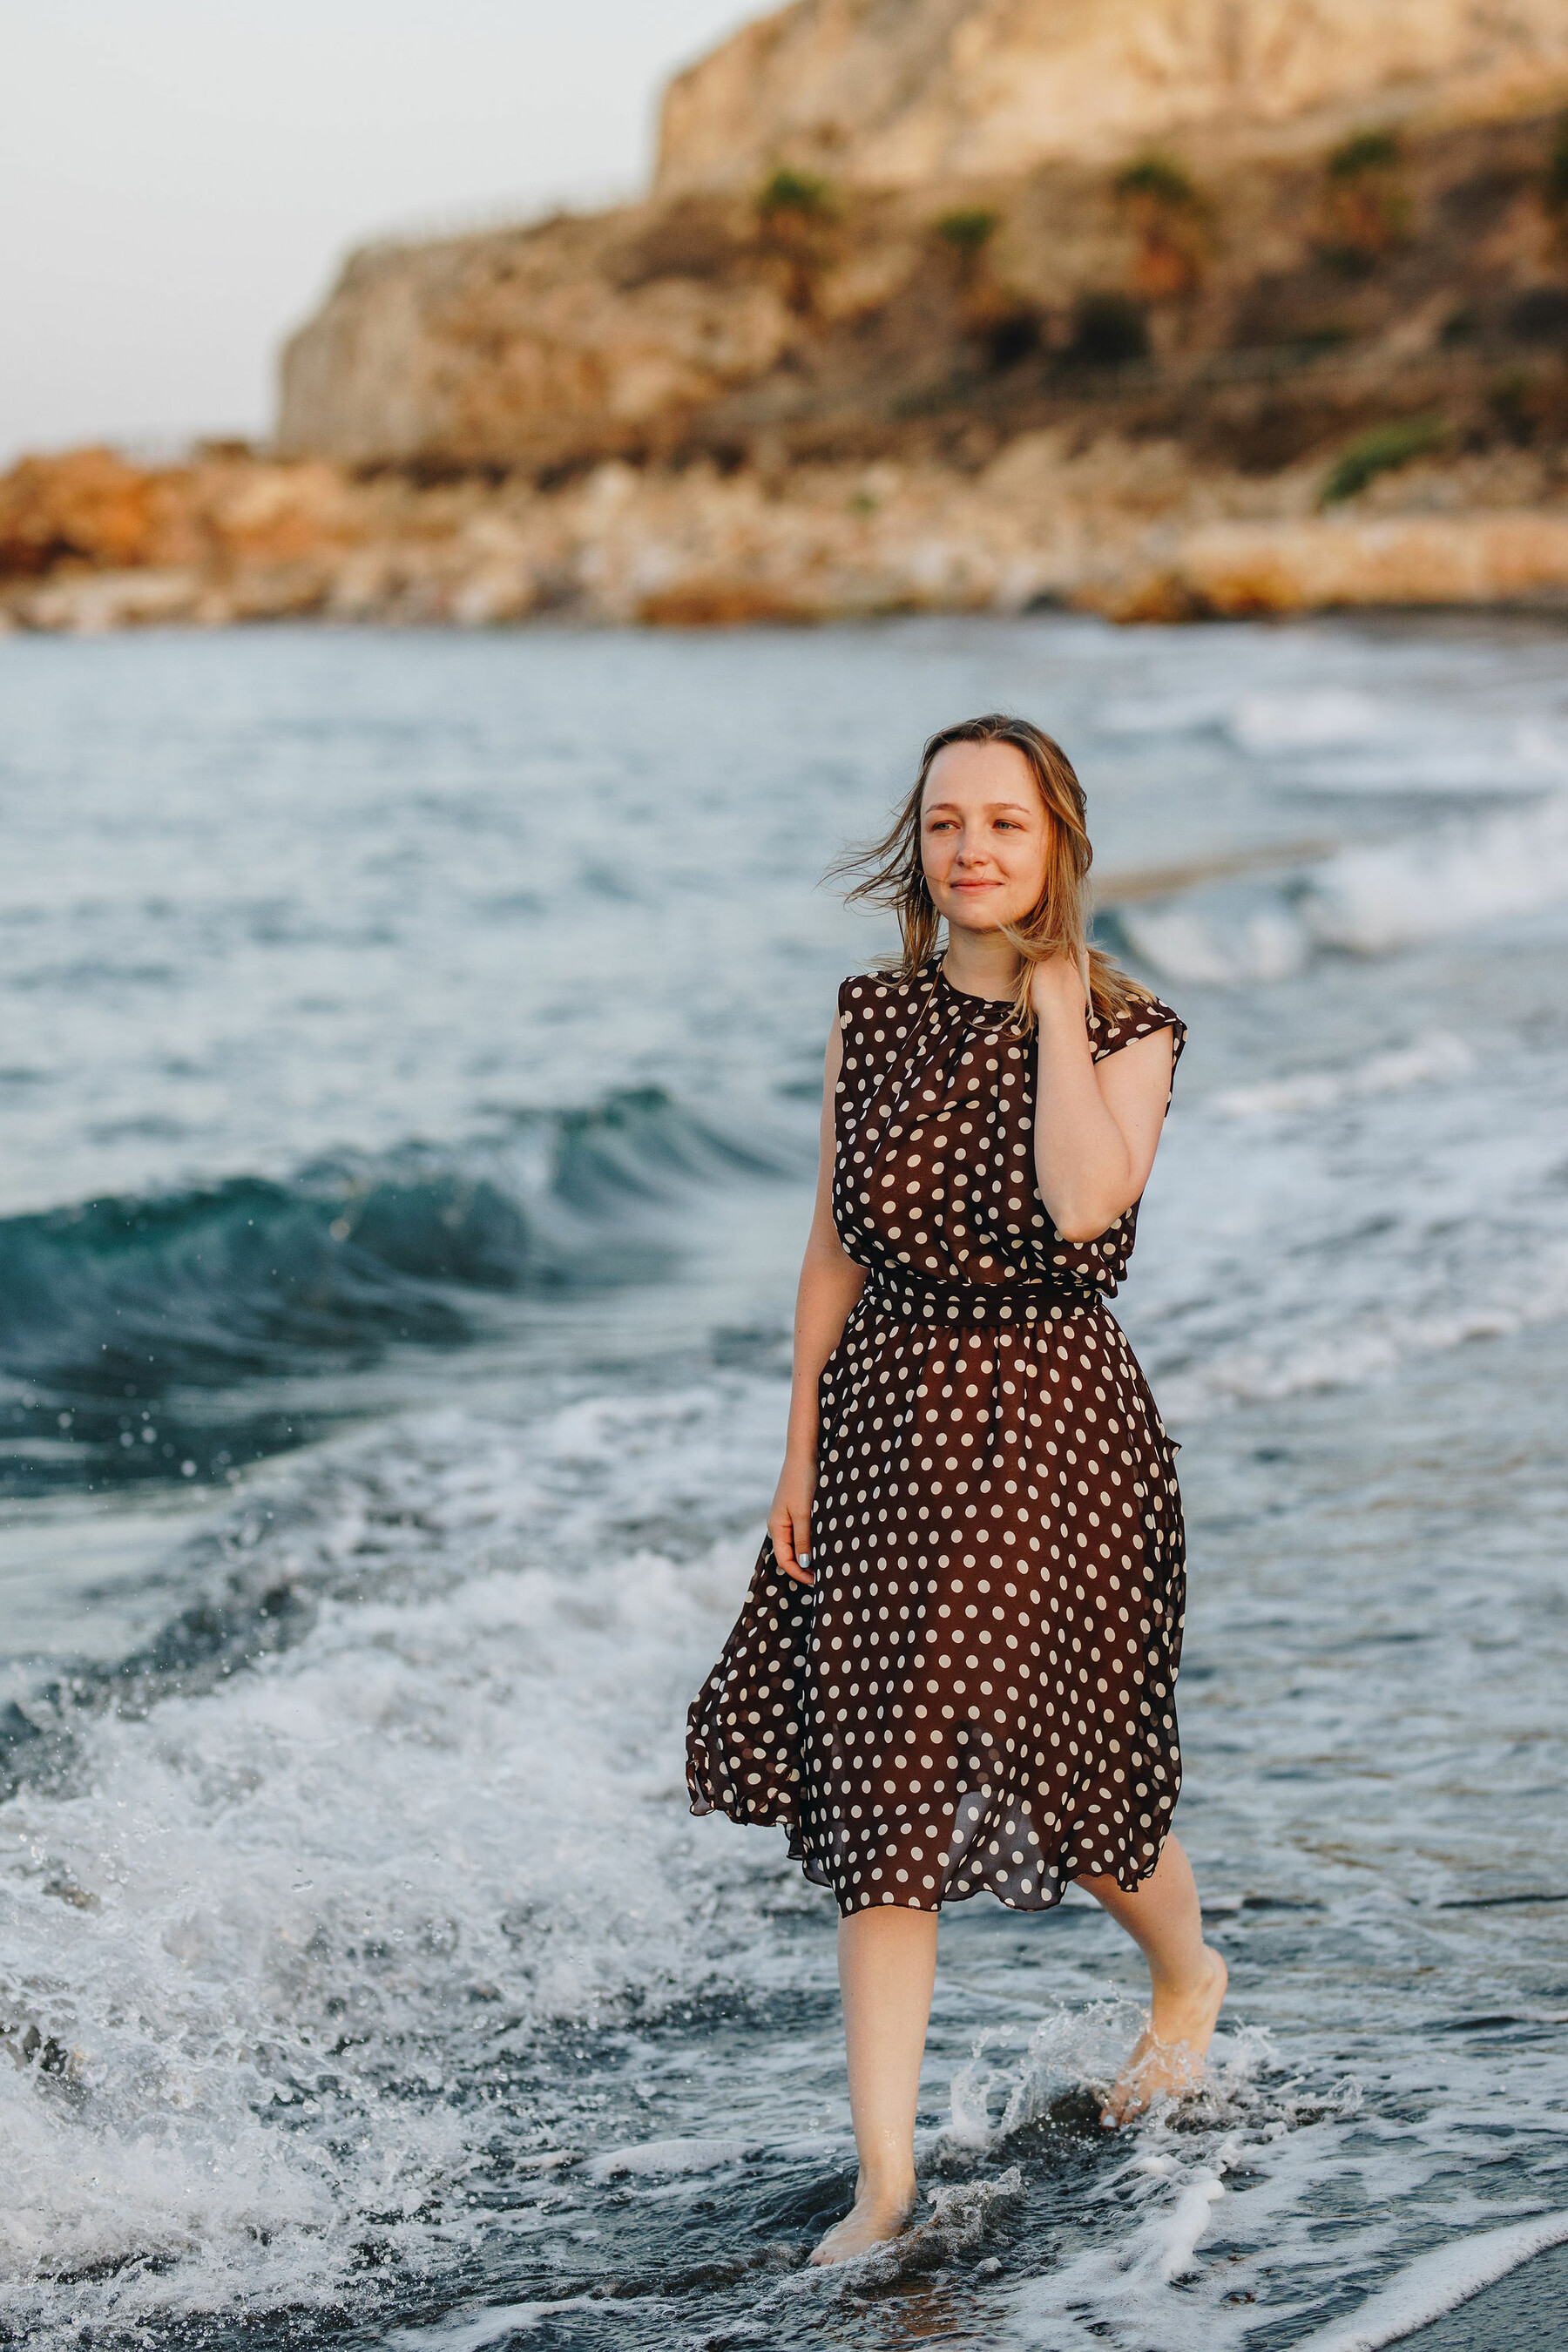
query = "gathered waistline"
{"x": 914, "y": 1298}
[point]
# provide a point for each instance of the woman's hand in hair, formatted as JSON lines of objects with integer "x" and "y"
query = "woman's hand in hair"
{"x": 1056, "y": 985}
{"x": 789, "y": 1520}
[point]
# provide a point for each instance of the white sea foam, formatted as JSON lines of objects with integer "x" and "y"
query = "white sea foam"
{"x": 467, "y": 2330}
{"x": 1173, "y": 2198}
{"x": 1307, "y": 721}
{"x": 1186, "y": 943}
{"x": 452, "y": 1799}
{"x": 1405, "y": 1241}
{"x": 1138, "y": 716}
{"x": 1319, "y": 1229}
{"x": 668, "y": 2156}
{"x": 1426, "y": 1061}
{"x": 463, "y": 1783}
{"x": 1438, "y": 2282}
{"x": 1349, "y": 1352}
{"x": 1069, "y": 2048}
{"x": 1542, "y": 747}
{"x": 957, "y": 2220}
{"x": 1372, "y": 900}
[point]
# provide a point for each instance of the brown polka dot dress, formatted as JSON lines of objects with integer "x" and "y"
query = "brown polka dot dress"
{"x": 980, "y": 1691}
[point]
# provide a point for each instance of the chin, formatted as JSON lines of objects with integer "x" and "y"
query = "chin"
{"x": 984, "y": 917}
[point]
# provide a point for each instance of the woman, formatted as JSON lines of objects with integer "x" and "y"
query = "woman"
{"x": 955, "y": 1667}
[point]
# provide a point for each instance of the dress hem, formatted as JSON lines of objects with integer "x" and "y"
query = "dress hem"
{"x": 701, "y": 1806}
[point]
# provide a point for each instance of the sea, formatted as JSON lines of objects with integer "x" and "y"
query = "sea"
{"x": 410, "y": 1052}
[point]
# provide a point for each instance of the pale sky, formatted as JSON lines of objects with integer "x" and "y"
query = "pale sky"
{"x": 179, "y": 179}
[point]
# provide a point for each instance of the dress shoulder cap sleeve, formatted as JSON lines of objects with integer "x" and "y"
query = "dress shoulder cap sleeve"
{"x": 865, "y": 993}
{"x": 1108, "y": 1034}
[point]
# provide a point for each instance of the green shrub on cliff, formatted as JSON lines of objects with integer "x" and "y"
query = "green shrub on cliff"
{"x": 1366, "y": 209}
{"x": 969, "y": 228}
{"x": 800, "y": 194}
{"x": 1381, "y": 451}
{"x": 1364, "y": 151}
{"x": 798, "y": 217}
{"x": 1158, "y": 181}
{"x": 1168, "y": 216}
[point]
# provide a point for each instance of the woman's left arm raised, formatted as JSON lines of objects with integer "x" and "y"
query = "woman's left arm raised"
{"x": 1097, "y": 1125}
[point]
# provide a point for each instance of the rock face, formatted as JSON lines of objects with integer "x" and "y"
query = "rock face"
{"x": 704, "y": 317}
{"x": 889, "y": 93}
{"x": 531, "y": 347}
{"x": 709, "y": 325}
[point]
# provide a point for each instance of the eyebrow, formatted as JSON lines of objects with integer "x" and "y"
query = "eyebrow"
{"x": 989, "y": 808}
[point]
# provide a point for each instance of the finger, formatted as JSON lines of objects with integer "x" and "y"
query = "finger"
{"x": 790, "y": 1544}
{"x": 802, "y": 1572}
{"x": 794, "y": 1563}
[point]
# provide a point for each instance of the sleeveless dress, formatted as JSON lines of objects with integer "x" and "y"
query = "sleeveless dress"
{"x": 979, "y": 1692}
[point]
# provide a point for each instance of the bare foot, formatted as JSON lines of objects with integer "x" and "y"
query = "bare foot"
{"x": 1168, "y": 2060}
{"x": 870, "y": 2221}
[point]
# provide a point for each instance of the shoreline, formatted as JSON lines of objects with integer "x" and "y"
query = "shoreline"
{"x": 1134, "y": 530}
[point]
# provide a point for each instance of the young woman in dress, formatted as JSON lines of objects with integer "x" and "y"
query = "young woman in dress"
{"x": 955, "y": 1668}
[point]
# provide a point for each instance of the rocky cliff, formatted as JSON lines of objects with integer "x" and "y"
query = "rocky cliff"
{"x": 1160, "y": 307}
{"x": 863, "y": 204}
{"x": 894, "y": 93}
{"x": 1263, "y": 304}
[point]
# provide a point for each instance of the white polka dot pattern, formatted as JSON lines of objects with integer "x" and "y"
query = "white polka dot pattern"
{"x": 980, "y": 1691}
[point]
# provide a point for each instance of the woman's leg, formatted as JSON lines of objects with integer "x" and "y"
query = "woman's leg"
{"x": 1187, "y": 1980}
{"x": 887, "y": 1963}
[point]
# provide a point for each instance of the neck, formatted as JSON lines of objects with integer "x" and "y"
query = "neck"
{"x": 980, "y": 963}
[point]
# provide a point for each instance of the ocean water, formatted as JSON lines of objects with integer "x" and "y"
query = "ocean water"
{"x": 406, "y": 1103}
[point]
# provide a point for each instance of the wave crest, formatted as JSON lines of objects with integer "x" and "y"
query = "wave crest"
{"x": 133, "y": 1333}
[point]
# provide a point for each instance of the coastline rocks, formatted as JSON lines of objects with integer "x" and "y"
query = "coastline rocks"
{"x": 1130, "y": 530}
{"x": 893, "y": 95}
{"x": 95, "y": 508}
{"x": 1325, "y": 562}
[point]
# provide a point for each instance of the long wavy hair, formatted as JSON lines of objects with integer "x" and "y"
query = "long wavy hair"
{"x": 891, "y": 873}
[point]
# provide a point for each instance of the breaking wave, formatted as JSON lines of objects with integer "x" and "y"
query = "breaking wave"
{"x": 1370, "y": 898}
{"x": 140, "y": 1337}
{"x": 325, "y": 1900}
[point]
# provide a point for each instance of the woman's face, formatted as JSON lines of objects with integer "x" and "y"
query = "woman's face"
{"x": 983, "y": 836}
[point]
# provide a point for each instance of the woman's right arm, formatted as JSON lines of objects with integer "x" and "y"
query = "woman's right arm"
{"x": 830, "y": 1283}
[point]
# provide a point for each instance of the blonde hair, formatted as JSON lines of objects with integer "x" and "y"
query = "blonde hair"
{"x": 893, "y": 875}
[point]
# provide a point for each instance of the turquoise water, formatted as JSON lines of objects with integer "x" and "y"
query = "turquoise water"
{"x": 406, "y": 1092}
